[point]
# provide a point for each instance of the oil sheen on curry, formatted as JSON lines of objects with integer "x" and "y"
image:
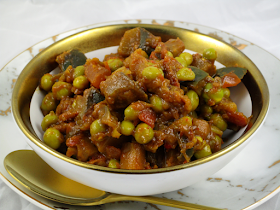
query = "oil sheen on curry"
{"x": 150, "y": 105}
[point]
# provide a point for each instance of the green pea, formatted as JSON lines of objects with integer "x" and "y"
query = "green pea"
{"x": 48, "y": 120}
{"x": 182, "y": 61}
{"x": 48, "y": 103}
{"x": 74, "y": 104}
{"x": 216, "y": 130}
{"x": 113, "y": 163}
{"x": 143, "y": 133}
{"x": 169, "y": 54}
{"x": 209, "y": 93}
{"x": 79, "y": 71}
{"x": 218, "y": 95}
{"x": 218, "y": 121}
{"x": 205, "y": 151}
{"x": 157, "y": 103}
{"x": 215, "y": 143}
{"x": 187, "y": 57}
{"x": 61, "y": 90}
{"x": 185, "y": 74}
{"x": 206, "y": 111}
{"x": 158, "y": 49}
{"x": 115, "y": 63}
{"x": 150, "y": 64}
{"x": 218, "y": 139}
{"x": 127, "y": 128}
{"x": 144, "y": 54}
{"x": 155, "y": 66}
{"x": 97, "y": 127}
{"x": 53, "y": 138}
{"x": 207, "y": 89}
{"x": 151, "y": 72}
{"x": 130, "y": 113}
{"x": 194, "y": 99}
{"x": 199, "y": 138}
{"x": 210, "y": 54}
{"x": 46, "y": 82}
{"x": 161, "y": 71}
{"x": 63, "y": 93}
{"x": 193, "y": 114}
{"x": 185, "y": 121}
{"x": 81, "y": 82}
{"x": 226, "y": 92}
{"x": 200, "y": 142}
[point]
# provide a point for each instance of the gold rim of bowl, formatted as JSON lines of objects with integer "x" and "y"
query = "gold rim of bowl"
{"x": 107, "y": 36}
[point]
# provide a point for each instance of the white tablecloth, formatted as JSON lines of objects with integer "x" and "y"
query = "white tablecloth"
{"x": 25, "y": 22}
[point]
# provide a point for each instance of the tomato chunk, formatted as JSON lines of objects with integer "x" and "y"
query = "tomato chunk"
{"x": 148, "y": 116}
{"x": 230, "y": 80}
{"x": 96, "y": 74}
{"x": 237, "y": 118}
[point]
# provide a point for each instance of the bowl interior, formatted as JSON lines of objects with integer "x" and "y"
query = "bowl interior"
{"x": 239, "y": 94}
{"x": 108, "y": 36}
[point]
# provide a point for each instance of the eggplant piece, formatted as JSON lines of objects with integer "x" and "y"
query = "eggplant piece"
{"x": 206, "y": 65}
{"x": 151, "y": 158}
{"x": 144, "y": 37}
{"x": 137, "y": 38}
{"x": 133, "y": 156}
{"x": 240, "y": 72}
{"x": 72, "y": 57}
{"x": 120, "y": 91}
{"x": 186, "y": 156}
{"x": 84, "y": 105}
{"x": 190, "y": 152}
{"x": 175, "y": 46}
{"x": 93, "y": 96}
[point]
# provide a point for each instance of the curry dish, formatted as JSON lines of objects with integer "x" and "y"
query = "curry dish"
{"x": 150, "y": 105}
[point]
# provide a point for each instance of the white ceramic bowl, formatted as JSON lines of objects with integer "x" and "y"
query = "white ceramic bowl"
{"x": 251, "y": 98}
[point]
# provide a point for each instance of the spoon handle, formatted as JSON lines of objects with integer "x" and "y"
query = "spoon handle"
{"x": 157, "y": 200}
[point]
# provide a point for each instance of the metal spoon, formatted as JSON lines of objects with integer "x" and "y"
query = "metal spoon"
{"x": 33, "y": 173}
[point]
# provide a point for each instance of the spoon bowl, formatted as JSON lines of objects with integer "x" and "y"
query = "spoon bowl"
{"x": 32, "y": 172}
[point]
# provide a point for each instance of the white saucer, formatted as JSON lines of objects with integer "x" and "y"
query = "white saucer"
{"x": 249, "y": 180}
